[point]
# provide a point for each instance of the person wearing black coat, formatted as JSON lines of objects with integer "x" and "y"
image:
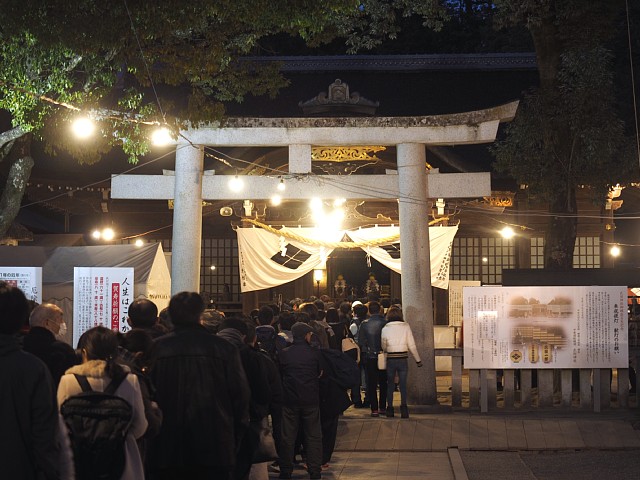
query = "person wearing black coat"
{"x": 334, "y": 400}
{"x": 28, "y": 409}
{"x": 47, "y": 326}
{"x": 204, "y": 395}
{"x": 235, "y": 331}
{"x": 300, "y": 370}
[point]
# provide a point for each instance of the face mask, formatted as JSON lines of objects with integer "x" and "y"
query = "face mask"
{"x": 62, "y": 332}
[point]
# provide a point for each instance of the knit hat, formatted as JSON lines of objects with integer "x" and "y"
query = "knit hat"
{"x": 300, "y": 330}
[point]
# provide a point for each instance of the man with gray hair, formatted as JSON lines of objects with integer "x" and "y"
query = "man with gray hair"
{"x": 44, "y": 340}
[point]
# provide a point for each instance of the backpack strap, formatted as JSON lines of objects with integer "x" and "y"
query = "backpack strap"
{"x": 84, "y": 383}
{"x": 115, "y": 383}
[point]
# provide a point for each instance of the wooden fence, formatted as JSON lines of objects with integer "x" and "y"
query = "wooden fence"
{"x": 584, "y": 389}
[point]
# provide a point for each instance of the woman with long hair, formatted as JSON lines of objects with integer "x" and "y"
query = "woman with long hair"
{"x": 99, "y": 349}
{"x": 397, "y": 342}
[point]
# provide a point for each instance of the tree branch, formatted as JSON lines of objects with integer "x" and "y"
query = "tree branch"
{"x": 11, "y": 135}
{"x": 16, "y": 183}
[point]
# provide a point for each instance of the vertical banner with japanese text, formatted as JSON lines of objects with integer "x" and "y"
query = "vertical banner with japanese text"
{"x": 101, "y": 296}
{"x": 546, "y": 327}
{"x": 27, "y": 279}
{"x": 455, "y": 299}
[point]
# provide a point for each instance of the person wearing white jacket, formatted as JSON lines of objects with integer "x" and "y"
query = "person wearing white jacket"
{"x": 397, "y": 342}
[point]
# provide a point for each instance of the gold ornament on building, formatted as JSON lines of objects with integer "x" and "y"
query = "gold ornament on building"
{"x": 500, "y": 199}
{"x": 346, "y": 154}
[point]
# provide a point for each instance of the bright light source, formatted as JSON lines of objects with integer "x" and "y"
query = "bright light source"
{"x": 315, "y": 204}
{"x": 96, "y": 234}
{"x": 139, "y": 242}
{"x": 236, "y": 184}
{"x": 276, "y": 200}
{"x": 83, "y": 127}
{"x": 615, "y": 251}
{"x": 108, "y": 234}
{"x": 281, "y": 186}
{"x": 507, "y": 232}
{"x": 338, "y": 202}
{"x": 212, "y": 267}
{"x": 317, "y": 275}
{"x": 485, "y": 260}
{"x": 338, "y": 215}
{"x": 161, "y": 137}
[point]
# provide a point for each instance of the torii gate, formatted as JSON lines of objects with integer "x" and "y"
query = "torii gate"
{"x": 412, "y": 186}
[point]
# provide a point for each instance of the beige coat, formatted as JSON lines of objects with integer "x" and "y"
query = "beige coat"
{"x": 129, "y": 389}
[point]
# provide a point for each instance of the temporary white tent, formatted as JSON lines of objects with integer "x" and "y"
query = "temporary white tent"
{"x": 152, "y": 279}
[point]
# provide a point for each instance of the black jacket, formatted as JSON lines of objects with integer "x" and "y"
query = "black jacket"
{"x": 56, "y": 355}
{"x": 255, "y": 371}
{"x": 203, "y": 393}
{"x": 333, "y": 398}
{"x": 300, "y": 371}
{"x": 28, "y": 415}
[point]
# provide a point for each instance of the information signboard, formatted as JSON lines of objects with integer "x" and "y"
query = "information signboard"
{"x": 27, "y": 279}
{"x": 545, "y": 327}
{"x": 101, "y": 296}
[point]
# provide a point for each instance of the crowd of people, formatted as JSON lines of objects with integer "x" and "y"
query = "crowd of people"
{"x": 205, "y": 393}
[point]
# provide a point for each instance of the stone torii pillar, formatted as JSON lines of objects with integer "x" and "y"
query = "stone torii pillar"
{"x": 416, "y": 267}
{"x": 187, "y": 219}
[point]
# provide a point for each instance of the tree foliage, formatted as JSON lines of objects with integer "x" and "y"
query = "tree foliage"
{"x": 569, "y": 131}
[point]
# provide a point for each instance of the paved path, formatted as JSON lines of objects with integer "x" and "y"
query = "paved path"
{"x": 546, "y": 444}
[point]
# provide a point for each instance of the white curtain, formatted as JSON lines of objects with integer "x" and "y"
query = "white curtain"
{"x": 262, "y": 264}
{"x": 440, "y": 241}
{"x": 257, "y": 247}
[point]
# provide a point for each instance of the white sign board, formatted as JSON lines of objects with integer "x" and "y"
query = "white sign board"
{"x": 101, "y": 297}
{"x": 455, "y": 299}
{"x": 545, "y": 327}
{"x": 27, "y": 279}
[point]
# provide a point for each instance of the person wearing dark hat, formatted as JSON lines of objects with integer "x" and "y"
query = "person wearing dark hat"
{"x": 301, "y": 372}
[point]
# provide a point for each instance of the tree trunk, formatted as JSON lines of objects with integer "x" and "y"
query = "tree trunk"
{"x": 21, "y": 163}
{"x": 560, "y": 237}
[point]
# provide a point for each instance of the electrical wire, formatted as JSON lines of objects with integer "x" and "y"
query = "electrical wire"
{"x": 67, "y": 193}
{"x": 144, "y": 60}
{"x": 633, "y": 82}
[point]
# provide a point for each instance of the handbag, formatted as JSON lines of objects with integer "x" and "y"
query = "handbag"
{"x": 350, "y": 346}
{"x": 382, "y": 361}
{"x": 262, "y": 443}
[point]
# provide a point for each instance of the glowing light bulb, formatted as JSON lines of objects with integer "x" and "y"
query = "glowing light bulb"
{"x": 276, "y": 200}
{"x": 507, "y": 232}
{"x": 281, "y": 186}
{"x": 139, "y": 242}
{"x": 615, "y": 251}
{"x": 338, "y": 202}
{"x": 212, "y": 267}
{"x": 96, "y": 234}
{"x": 236, "y": 184}
{"x": 108, "y": 234}
{"x": 315, "y": 204}
{"x": 161, "y": 137}
{"x": 83, "y": 127}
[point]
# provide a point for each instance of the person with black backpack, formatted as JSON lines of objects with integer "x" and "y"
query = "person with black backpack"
{"x": 101, "y": 404}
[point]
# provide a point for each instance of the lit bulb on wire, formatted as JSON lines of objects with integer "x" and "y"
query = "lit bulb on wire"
{"x": 236, "y": 184}
{"x": 281, "y": 185}
{"x": 83, "y": 127}
{"x": 161, "y": 137}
